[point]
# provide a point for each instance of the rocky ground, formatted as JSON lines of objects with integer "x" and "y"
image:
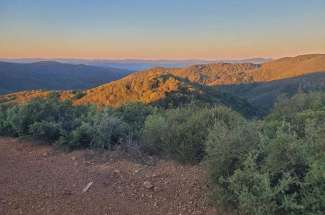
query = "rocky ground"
{"x": 38, "y": 179}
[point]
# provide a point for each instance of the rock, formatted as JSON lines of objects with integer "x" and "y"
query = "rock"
{"x": 45, "y": 154}
{"x": 73, "y": 158}
{"x": 116, "y": 171}
{"x": 148, "y": 185}
{"x": 87, "y": 187}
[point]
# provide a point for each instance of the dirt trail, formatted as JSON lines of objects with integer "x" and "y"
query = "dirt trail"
{"x": 38, "y": 179}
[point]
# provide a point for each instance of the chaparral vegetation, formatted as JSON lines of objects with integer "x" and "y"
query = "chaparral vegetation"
{"x": 273, "y": 164}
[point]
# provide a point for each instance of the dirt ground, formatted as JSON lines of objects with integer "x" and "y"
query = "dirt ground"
{"x": 38, "y": 179}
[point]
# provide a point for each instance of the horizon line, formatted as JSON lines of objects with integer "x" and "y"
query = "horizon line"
{"x": 153, "y": 59}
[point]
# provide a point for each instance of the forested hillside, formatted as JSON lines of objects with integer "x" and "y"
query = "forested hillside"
{"x": 258, "y": 84}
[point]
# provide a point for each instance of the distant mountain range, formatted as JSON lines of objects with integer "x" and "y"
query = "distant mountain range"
{"x": 52, "y": 75}
{"x": 260, "y": 84}
{"x": 138, "y": 64}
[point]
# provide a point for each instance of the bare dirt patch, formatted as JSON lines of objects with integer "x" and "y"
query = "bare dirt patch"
{"x": 38, "y": 179}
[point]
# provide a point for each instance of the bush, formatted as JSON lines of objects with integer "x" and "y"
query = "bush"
{"x": 227, "y": 146}
{"x": 5, "y": 127}
{"x": 134, "y": 114}
{"x": 22, "y": 117}
{"x": 154, "y": 134}
{"x": 298, "y": 109}
{"x": 180, "y": 133}
{"x": 271, "y": 167}
{"x": 101, "y": 130}
{"x": 81, "y": 137}
{"x": 48, "y": 131}
{"x": 109, "y": 131}
{"x": 45, "y": 118}
{"x": 71, "y": 126}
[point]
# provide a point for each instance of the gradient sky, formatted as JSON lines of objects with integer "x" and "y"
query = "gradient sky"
{"x": 155, "y": 29}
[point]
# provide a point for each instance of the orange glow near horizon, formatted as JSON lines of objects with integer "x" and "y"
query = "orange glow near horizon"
{"x": 160, "y": 29}
{"x": 155, "y": 49}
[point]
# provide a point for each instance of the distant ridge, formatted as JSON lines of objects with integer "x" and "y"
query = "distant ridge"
{"x": 139, "y": 64}
{"x": 52, "y": 75}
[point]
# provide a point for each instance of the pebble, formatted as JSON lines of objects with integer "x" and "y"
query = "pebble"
{"x": 148, "y": 185}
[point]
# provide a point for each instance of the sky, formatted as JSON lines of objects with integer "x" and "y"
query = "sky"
{"x": 161, "y": 29}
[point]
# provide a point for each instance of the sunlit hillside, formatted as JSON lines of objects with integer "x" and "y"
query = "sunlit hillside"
{"x": 155, "y": 84}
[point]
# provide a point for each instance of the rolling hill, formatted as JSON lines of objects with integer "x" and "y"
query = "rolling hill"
{"x": 50, "y": 75}
{"x": 259, "y": 84}
{"x": 289, "y": 67}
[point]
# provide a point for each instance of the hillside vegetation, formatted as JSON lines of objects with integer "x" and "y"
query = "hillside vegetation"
{"x": 271, "y": 166}
{"x": 259, "y": 162}
{"x": 259, "y": 84}
{"x": 289, "y": 67}
{"x": 264, "y": 94}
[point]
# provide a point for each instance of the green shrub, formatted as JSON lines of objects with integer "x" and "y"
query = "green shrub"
{"x": 154, "y": 134}
{"x": 80, "y": 137}
{"x": 22, "y": 117}
{"x": 109, "y": 131}
{"x": 134, "y": 114}
{"x": 180, "y": 133}
{"x": 101, "y": 130}
{"x": 227, "y": 146}
{"x": 250, "y": 190}
{"x": 176, "y": 134}
{"x": 48, "y": 131}
{"x": 44, "y": 118}
{"x": 6, "y": 128}
{"x": 297, "y": 109}
{"x": 271, "y": 167}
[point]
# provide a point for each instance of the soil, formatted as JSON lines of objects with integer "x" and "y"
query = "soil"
{"x": 39, "y": 179}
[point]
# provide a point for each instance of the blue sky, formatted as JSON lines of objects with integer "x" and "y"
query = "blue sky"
{"x": 161, "y": 28}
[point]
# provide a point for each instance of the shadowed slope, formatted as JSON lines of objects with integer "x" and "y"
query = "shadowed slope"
{"x": 158, "y": 84}
{"x": 264, "y": 94}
